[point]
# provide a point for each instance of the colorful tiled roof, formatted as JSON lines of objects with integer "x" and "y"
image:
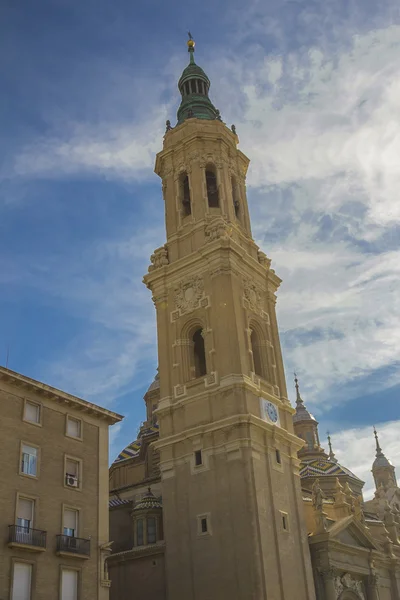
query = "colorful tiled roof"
{"x": 133, "y": 449}
{"x": 113, "y": 502}
{"x": 324, "y": 468}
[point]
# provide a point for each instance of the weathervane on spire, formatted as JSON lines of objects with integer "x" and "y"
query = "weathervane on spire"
{"x": 299, "y": 399}
{"x": 191, "y": 44}
{"x": 378, "y": 448}
{"x": 331, "y": 452}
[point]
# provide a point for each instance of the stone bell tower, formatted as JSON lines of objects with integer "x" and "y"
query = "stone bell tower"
{"x": 228, "y": 454}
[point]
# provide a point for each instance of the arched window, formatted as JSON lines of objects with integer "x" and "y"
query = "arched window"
{"x": 255, "y": 347}
{"x": 185, "y": 195}
{"x": 235, "y": 196}
{"x": 199, "y": 354}
{"x": 187, "y": 88}
{"x": 212, "y": 188}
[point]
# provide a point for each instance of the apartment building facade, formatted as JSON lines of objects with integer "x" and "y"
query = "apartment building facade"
{"x": 54, "y": 493}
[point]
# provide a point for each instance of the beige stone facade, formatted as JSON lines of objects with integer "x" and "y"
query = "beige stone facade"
{"x": 251, "y": 505}
{"x": 54, "y": 488}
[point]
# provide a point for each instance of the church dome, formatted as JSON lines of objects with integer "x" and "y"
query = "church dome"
{"x": 155, "y": 385}
{"x": 302, "y": 414}
{"x": 381, "y": 461}
{"x": 148, "y": 502}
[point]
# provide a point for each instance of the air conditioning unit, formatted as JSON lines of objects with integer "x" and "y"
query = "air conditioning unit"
{"x": 71, "y": 480}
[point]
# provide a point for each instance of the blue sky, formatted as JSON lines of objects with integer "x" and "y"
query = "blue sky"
{"x": 313, "y": 88}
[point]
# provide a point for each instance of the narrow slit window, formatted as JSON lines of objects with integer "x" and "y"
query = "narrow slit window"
{"x": 212, "y": 189}
{"x": 204, "y": 525}
{"x": 255, "y": 347}
{"x": 284, "y": 522}
{"x": 187, "y": 88}
{"x": 199, "y": 353}
{"x": 198, "y": 459}
{"x": 235, "y": 197}
{"x": 185, "y": 193}
{"x": 278, "y": 457}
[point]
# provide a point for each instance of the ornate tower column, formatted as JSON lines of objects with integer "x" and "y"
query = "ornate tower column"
{"x": 228, "y": 454}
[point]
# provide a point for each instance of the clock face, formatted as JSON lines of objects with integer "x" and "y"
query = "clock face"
{"x": 269, "y": 411}
{"x": 272, "y": 412}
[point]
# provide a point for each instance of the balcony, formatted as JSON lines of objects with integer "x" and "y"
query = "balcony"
{"x": 26, "y": 538}
{"x": 71, "y": 547}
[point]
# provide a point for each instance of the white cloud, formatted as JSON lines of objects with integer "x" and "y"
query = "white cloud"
{"x": 355, "y": 449}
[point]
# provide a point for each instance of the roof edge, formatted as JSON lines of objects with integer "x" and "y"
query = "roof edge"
{"x": 58, "y": 395}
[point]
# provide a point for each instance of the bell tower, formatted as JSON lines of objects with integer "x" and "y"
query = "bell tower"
{"x": 232, "y": 503}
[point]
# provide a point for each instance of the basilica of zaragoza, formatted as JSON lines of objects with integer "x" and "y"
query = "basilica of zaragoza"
{"x": 227, "y": 493}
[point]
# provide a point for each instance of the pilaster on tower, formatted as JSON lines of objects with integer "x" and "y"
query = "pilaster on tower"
{"x": 228, "y": 453}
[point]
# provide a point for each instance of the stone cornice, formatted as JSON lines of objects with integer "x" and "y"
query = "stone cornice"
{"x": 212, "y": 253}
{"x": 56, "y": 395}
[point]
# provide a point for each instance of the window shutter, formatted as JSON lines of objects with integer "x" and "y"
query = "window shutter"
{"x": 25, "y": 509}
{"x": 72, "y": 467}
{"x": 32, "y": 412}
{"x": 74, "y": 427}
{"x": 22, "y": 577}
{"x": 69, "y": 585}
{"x": 71, "y": 519}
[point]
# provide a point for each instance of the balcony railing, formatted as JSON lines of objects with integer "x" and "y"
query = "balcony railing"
{"x": 26, "y": 536}
{"x": 73, "y": 545}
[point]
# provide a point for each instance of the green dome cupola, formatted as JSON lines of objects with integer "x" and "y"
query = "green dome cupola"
{"x": 193, "y": 86}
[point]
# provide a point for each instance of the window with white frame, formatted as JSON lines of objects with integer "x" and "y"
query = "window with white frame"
{"x": 21, "y": 581}
{"x": 74, "y": 427}
{"x": 69, "y": 584}
{"x": 32, "y": 412}
{"x": 70, "y": 522}
{"x": 29, "y": 460}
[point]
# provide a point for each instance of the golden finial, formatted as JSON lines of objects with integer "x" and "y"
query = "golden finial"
{"x": 191, "y": 43}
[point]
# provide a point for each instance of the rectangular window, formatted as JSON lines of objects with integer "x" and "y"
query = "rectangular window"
{"x": 22, "y": 581}
{"x": 278, "y": 457}
{"x": 198, "y": 459}
{"x": 285, "y": 521}
{"x": 73, "y": 473}
{"x": 69, "y": 584}
{"x": 25, "y": 512}
{"x": 70, "y": 522}
{"x": 74, "y": 427}
{"x": 29, "y": 460}
{"x": 204, "y": 527}
{"x": 151, "y": 530}
{"x": 32, "y": 412}
{"x": 139, "y": 533}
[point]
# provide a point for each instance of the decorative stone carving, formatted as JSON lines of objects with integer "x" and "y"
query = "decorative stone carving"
{"x": 263, "y": 259}
{"x": 317, "y": 496}
{"x": 188, "y": 295}
{"x": 340, "y": 496}
{"x": 348, "y": 582}
{"x": 216, "y": 229}
{"x": 253, "y": 297}
{"x": 105, "y": 550}
{"x": 159, "y": 258}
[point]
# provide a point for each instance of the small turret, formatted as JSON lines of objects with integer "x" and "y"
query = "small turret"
{"x": 382, "y": 469}
{"x": 306, "y": 427}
